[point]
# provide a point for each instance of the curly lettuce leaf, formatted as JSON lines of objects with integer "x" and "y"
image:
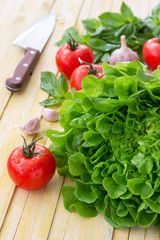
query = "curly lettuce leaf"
{"x": 109, "y": 146}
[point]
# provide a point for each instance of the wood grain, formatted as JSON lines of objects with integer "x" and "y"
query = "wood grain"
{"x": 40, "y": 215}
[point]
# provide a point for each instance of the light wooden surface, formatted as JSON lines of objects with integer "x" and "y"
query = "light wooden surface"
{"x": 40, "y": 215}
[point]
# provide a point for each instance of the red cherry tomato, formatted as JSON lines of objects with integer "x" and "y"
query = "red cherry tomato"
{"x": 34, "y": 172}
{"x": 68, "y": 54}
{"x": 151, "y": 53}
{"x": 83, "y": 71}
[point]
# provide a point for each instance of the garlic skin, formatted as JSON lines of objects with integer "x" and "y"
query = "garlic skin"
{"x": 32, "y": 126}
{"x": 123, "y": 54}
{"x": 50, "y": 114}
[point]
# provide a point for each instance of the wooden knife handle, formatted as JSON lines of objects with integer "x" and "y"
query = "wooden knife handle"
{"x": 23, "y": 70}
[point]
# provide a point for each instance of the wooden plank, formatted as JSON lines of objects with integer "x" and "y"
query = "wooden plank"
{"x": 34, "y": 211}
{"x": 19, "y": 200}
{"x": 14, "y": 19}
{"x": 153, "y": 3}
{"x": 43, "y": 202}
{"x": 13, "y": 214}
{"x": 137, "y": 233}
{"x": 20, "y": 103}
{"x": 38, "y": 211}
{"x": 87, "y": 228}
{"x": 152, "y": 233}
{"x": 71, "y": 226}
{"x": 121, "y": 234}
{"x": 100, "y": 7}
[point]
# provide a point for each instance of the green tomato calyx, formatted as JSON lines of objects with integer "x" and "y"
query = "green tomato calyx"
{"x": 90, "y": 69}
{"x": 72, "y": 43}
{"x": 28, "y": 150}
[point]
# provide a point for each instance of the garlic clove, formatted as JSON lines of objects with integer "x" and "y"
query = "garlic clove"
{"x": 50, "y": 114}
{"x": 32, "y": 126}
{"x": 123, "y": 54}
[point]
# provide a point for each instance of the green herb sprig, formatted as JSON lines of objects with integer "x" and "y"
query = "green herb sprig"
{"x": 56, "y": 89}
{"x": 103, "y": 35}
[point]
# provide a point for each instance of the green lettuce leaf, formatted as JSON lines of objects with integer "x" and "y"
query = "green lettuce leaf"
{"x": 110, "y": 145}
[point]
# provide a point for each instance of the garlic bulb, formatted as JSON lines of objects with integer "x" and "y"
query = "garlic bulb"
{"x": 50, "y": 114}
{"x": 32, "y": 126}
{"x": 123, "y": 54}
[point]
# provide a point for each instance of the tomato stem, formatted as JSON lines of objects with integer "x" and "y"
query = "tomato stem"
{"x": 28, "y": 150}
{"x": 72, "y": 43}
{"x": 91, "y": 70}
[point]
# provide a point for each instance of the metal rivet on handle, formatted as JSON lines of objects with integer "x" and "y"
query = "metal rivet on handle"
{"x": 32, "y": 52}
{"x": 18, "y": 78}
{"x": 25, "y": 64}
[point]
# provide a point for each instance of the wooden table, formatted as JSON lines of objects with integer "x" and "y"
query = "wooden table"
{"x": 40, "y": 215}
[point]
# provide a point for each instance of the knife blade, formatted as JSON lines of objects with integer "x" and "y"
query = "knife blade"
{"x": 33, "y": 40}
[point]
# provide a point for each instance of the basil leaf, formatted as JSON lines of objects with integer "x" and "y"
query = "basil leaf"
{"x": 101, "y": 45}
{"x": 49, "y": 84}
{"x": 110, "y": 19}
{"x": 57, "y": 89}
{"x": 74, "y": 32}
{"x": 104, "y": 34}
{"x": 51, "y": 101}
{"x": 91, "y": 24}
{"x": 62, "y": 85}
{"x": 127, "y": 12}
{"x": 156, "y": 10}
{"x": 128, "y": 30}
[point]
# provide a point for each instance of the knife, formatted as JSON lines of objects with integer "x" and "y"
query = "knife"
{"x": 33, "y": 40}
